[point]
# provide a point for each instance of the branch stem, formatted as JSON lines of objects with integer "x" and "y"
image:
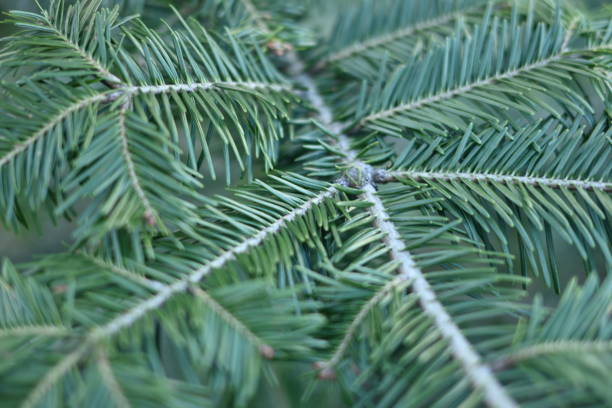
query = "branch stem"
{"x": 358, "y": 319}
{"x": 377, "y": 41}
{"x": 387, "y": 176}
{"x": 563, "y": 52}
{"x": 553, "y": 347}
{"x": 478, "y": 372}
{"x": 79, "y": 104}
{"x": 150, "y": 213}
{"x": 456, "y": 91}
{"x": 154, "y": 302}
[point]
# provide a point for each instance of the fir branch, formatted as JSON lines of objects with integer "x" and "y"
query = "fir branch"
{"x": 109, "y": 97}
{"x": 108, "y": 377}
{"x": 150, "y": 213}
{"x": 508, "y": 82}
{"x": 457, "y": 91}
{"x": 233, "y": 321}
{"x": 35, "y": 330}
{"x": 66, "y": 364}
{"x": 392, "y": 29}
{"x": 382, "y": 40}
{"x": 479, "y": 373}
{"x": 105, "y": 74}
{"x": 151, "y": 284}
{"x": 78, "y": 48}
{"x": 460, "y": 91}
{"x": 51, "y": 123}
{"x": 63, "y": 28}
{"x": 207, "y": 86}
{"x": 359, "y": 318}
{"x": 390, "y": 176}
{"x": 552, "y": 347}
{"x": 182, "y": 285}
{"x": 324, "y": 113}
{"x": 544, "y": 177}
{"x": 410, "y": 295}
{"x": 162, "y": 296}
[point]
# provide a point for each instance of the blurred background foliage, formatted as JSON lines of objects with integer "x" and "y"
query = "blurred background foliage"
{"x": 286, "y": 389}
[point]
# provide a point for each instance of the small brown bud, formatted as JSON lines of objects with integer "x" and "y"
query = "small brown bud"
{"x": 327, "y": 373}
{"x": 150, "y": 218}
{"x": 279, "y": 48}
{"x": 266, "y": 351}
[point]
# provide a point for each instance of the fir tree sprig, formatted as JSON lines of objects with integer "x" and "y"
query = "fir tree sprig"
{"x": 391, "y": 265}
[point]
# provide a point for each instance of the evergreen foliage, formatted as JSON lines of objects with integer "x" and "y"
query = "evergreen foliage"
{"x": 399, "y": 176}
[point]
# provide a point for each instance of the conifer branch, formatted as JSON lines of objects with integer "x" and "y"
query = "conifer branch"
{"x": 411, "y": 296}
{"x": 388, "y": 176}
{"x": 156, "y": 301}
{"x": 151, "y": 284}
{"x": 477, "y": 371}
{"x": 351, "y": 331}
{"x": 206, "y": 86}
{"x": 61, "y": 115}
{"x": 458, "y": 91}
{"x": 105, "y": 74}
{"x": 381, "y": 40}
{"x": 108, "y": 377}
{"x": 232, "y": 320}
{"x": 134, "y": 90}
{"x": 66, "y": 364}
{"x": 396, "y": 105}
{"x": 182, "y": 285}
{"x": 324, "y": 113}
{"x": 553, "y": 347}
{"x": 37, "y": 330}
{"x": 150, "y": 214}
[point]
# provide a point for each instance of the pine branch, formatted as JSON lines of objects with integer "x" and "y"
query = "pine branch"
{"x": 150, "y": 213}
{"x": 553, "y": 347}
{"x": 342, "y": 347}
{"x": 106, "y": 372}
{"x": 495, "y": 178}
{"x": 143, "y": 308}
{"x": 32, "y": 331}
{"x": 50, "y": 123}
{"x": 477, "y": 371}
{"x": 434, "y": 96}
{"x": 233, "y": 321}
{"x": 543, "y": 177}
{"x": 403, "y": 31}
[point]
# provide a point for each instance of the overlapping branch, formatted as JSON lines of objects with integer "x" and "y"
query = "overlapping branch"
{"x": 478, "y": 372}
